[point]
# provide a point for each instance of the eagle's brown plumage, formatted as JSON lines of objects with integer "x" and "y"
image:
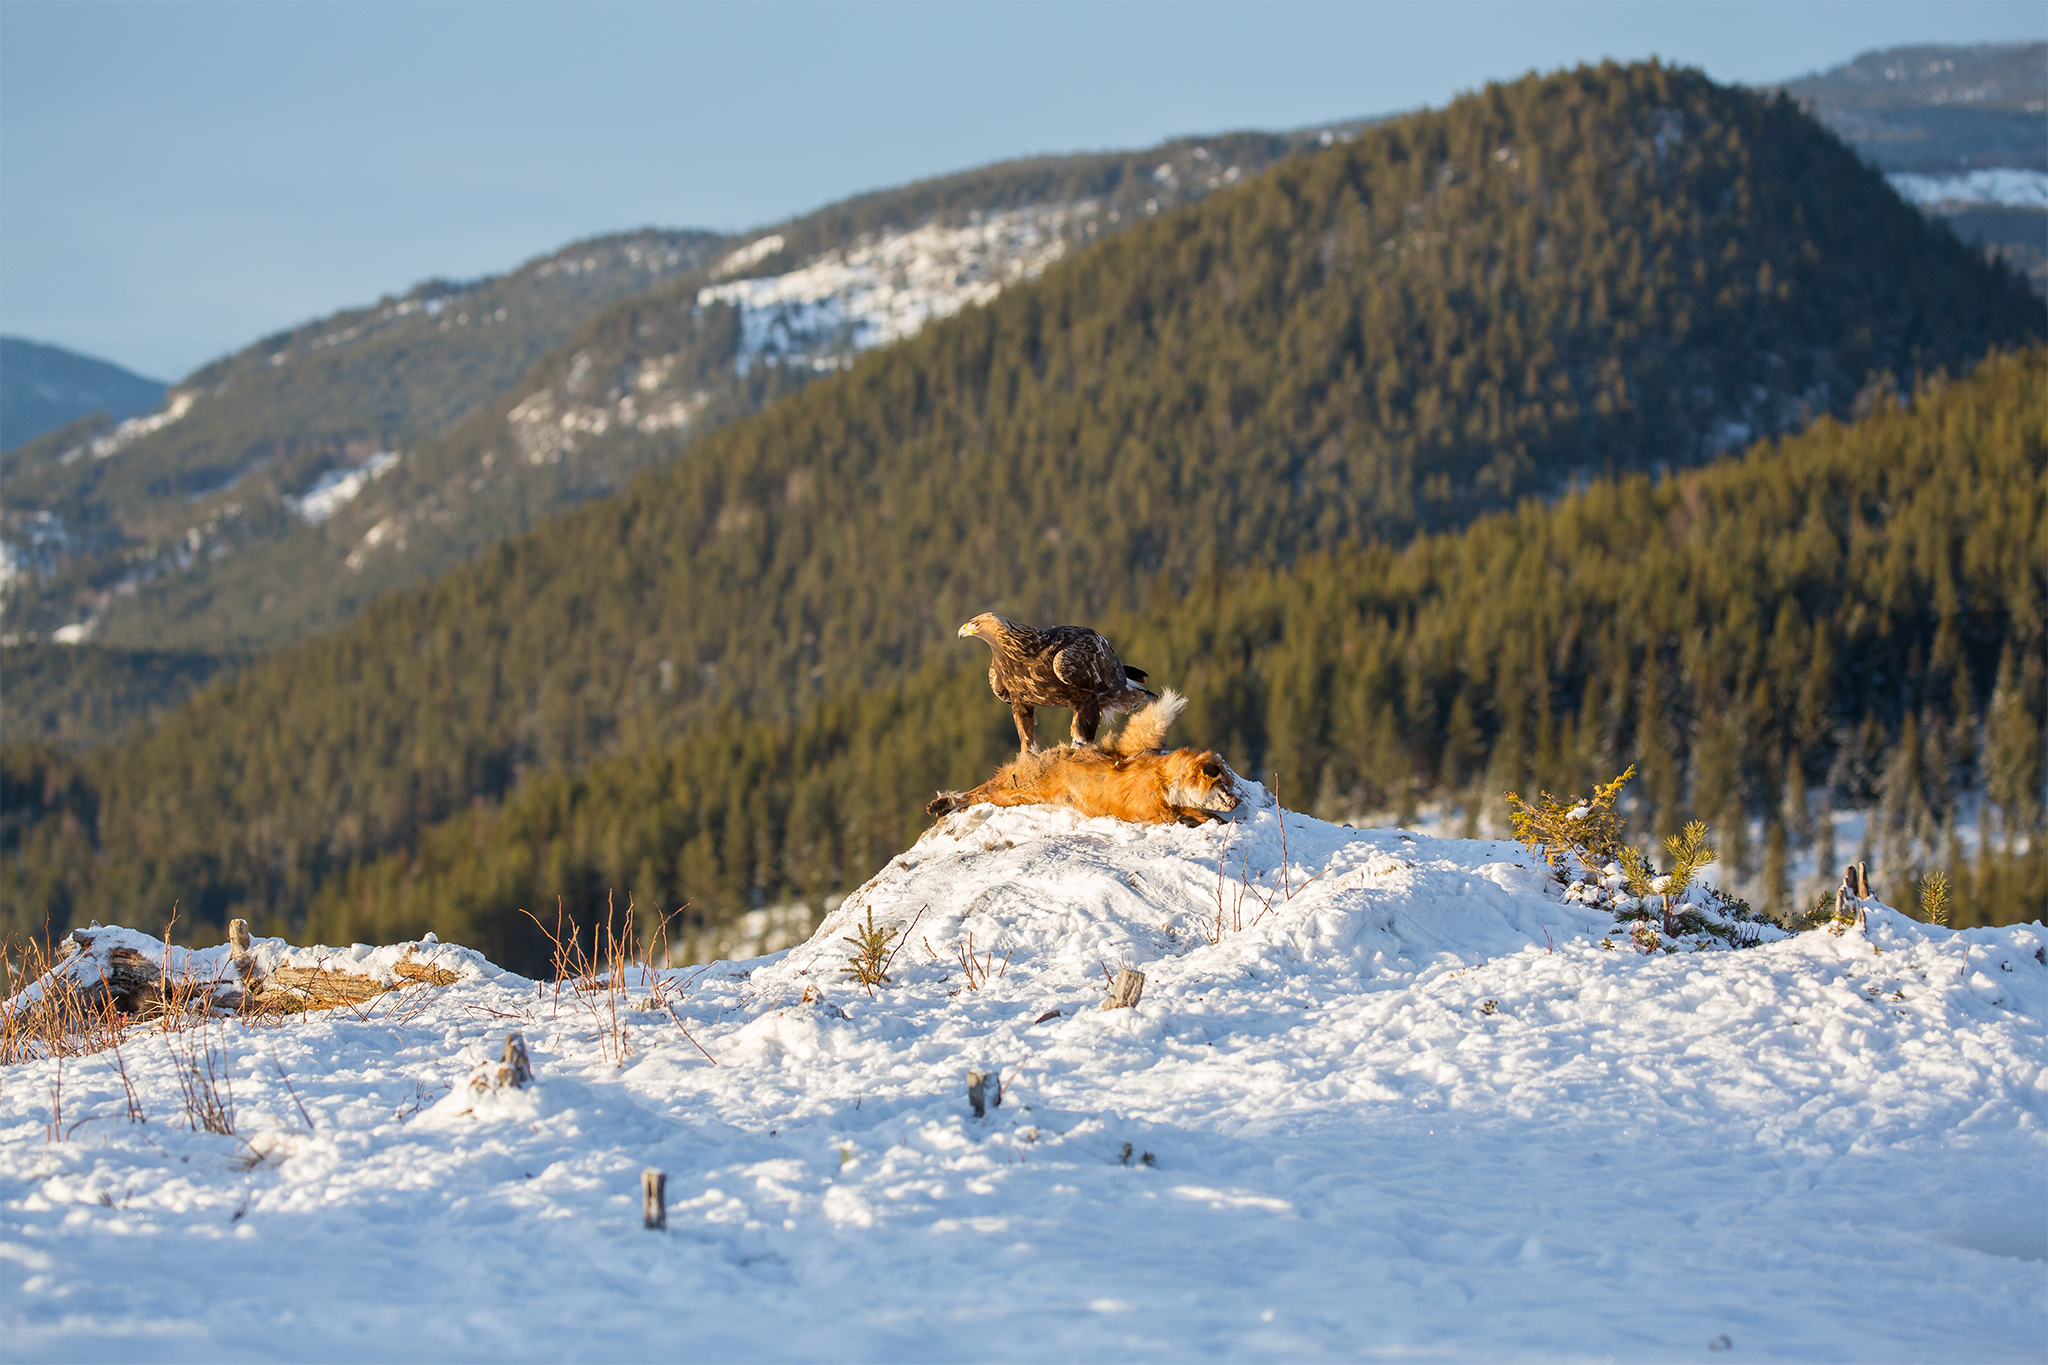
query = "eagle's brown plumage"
{"x": 1070, "y": 666}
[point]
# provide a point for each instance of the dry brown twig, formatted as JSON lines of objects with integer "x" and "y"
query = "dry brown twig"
{"x": 977, "y": 970}
{"x": 203, "y": 1079}
{"x": 135, "y": 1114}
{"x": 291, "y": 1090}
{"x": 904, "y": 938}
{"x": 687, "y": 1034}
{"x": 600, "y": 980}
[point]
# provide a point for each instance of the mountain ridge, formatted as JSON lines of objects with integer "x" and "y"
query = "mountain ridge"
{"x": 1938, "y": 118}
{"x": 148, "y": 584}
{"x": 240, "y": 570}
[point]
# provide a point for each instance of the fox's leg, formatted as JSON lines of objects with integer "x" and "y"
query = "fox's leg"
{"x": 994, "y": 792}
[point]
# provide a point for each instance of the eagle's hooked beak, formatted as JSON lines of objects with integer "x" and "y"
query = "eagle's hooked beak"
{"x": 969, "y": 629}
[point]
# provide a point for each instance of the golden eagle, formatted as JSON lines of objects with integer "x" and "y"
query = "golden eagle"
{"x": 1069, "y": 666}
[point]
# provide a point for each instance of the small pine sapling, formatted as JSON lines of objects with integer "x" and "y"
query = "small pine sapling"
{"x": 868, "y": 962}
{"x": 1589, "y": 830}
{"x": 1591, "y": 833}
{"x": 1689, "y": 853}
{"x": 1934, "y": 898}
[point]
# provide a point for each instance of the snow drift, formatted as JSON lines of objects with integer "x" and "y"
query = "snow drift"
{"x": 1389, "y": 1096}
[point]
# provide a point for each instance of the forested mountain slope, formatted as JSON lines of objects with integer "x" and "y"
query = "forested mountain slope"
{"x": 1849, "y": 618}
{"x": 1601, "y": 271}
{"x": 306, "y": 475}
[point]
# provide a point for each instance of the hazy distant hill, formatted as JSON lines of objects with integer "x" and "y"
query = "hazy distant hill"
{"x": 44, "y": 387}
{"x": 1962, "y": 130}
{"x": 1937, "y": 108}
{"x": 1600, "y": 271}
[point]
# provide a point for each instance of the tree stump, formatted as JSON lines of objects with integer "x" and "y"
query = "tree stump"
{"x": 1125, "y": 990}
{"x": 516, "y": 1068}
{"x": 241, "y": 954}
{"x": 977, "y": 1092}
{"x": 653, "y": 1198}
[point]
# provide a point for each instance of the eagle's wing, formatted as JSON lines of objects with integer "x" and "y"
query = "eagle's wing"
{"x": 1086, "y": 662}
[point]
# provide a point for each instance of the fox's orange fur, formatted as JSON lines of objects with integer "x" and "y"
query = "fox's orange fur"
{"x": 1127, "y": 777}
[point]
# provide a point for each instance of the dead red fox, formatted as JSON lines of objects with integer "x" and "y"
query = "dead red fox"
{"x": 1128, "y": 777}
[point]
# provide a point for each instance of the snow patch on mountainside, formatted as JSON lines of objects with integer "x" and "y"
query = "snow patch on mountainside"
{"x": 134, "y": 429}
{"x": 1383, "y": 1094}
{"x": 886, "y": 287}
{"x": 544, "y": 427}
{"x": 1999, "y": 186}
{"x": 750, "y": 255}
{"x": 338, "y": 487}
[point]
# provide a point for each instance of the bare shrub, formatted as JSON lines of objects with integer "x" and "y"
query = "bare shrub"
{"x": 201, "y": 1064}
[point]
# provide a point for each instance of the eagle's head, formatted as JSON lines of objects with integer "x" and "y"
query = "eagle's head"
{"x": 987, "y": 626}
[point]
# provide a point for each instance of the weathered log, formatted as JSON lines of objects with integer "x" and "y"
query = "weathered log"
{"x": 322, "y": 989}
{"x": 1125, "y": 990}
{"x": 654, "y": 1199}
{"x": 427, "y": 972}
{"x": 242, "y": 956}
{"x": 131, "y": 977}
{"x": 106, "y": 967}
{"x": 1853, "y": 892}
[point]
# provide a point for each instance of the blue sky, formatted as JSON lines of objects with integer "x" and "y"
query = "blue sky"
{"x": 178, "y": 180}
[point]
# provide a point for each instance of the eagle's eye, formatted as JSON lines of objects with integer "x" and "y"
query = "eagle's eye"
{"x": 1211, "y": 770}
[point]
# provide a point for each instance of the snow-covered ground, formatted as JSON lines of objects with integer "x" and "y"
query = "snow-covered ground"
{"x": 1413, "y": 1109}
{"x": 2005, "y": 186}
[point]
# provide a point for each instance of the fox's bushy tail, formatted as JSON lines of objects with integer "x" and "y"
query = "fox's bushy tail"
{"x": 1146, "y": 729}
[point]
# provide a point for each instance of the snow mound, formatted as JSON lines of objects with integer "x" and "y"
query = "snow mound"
{"x": 1060, "y": 895}
{"x": 1383, "y": 1095}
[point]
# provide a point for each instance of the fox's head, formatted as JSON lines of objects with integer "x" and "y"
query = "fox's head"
{"x": 1201, "y": 779}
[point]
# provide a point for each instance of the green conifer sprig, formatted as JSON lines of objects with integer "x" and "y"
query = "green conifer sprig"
{"x": 1934, "y": 898}
{"x": 870, "y": 956}
{"x": 1590, "y": 830}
